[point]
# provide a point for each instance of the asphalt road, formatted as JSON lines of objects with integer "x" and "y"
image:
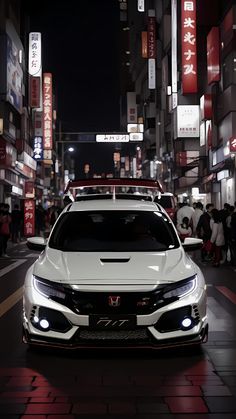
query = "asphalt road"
{"x": 111, "y": 384}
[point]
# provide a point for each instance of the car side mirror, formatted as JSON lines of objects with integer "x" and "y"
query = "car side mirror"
{"x": 36, "y": 243}
{"x": 191, "y": 243}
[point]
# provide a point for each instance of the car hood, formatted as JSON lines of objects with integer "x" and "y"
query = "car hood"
{"x": 112, "y": 269}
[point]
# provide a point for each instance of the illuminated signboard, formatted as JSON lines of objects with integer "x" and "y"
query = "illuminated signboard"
{"x": 29, "y": 217}
{"x": 35, "y": 65}
{"x": 112, "y": 138}
{"x": 38, "y": 148}
{"x": 136, "y": 136}
{"x": 188, "y": 124}
{"x": 47, "y": 111}
{"x": 189, "y": 46}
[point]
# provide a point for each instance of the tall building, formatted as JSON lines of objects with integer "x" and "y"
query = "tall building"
{"x": 182, "y": 62}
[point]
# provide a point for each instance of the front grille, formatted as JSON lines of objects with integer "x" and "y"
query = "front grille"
{"x": 139, "y": 334}
{"x": 141, "y": 303}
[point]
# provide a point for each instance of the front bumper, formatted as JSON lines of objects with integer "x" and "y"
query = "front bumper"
{"x": 85, "y": 339}
{"x": 157, "y": 330}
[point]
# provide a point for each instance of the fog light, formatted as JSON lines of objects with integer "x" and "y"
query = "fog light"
{"x": 44, "y": 324}
{"x": 187, "y": 323}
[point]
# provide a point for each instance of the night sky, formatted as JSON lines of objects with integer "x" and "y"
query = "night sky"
{"x": 80, "y": 48}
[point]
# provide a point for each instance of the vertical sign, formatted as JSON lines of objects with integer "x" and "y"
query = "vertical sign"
{"x": 213, "y": 55}
{"x": 34, "y": 98}
{"x": 151, "y": 49}
{"x": 34, "y": 67}
{"x": 29, "y": 217}
{"x": 174, "y": 51}
{"x": 47, "y": 111}
{"x": 189, "y": 46}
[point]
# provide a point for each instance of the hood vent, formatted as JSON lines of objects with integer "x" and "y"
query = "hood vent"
{"x": 115, "y": 260}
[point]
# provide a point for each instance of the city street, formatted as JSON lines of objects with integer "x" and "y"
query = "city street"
{"x": 181, "y": 383}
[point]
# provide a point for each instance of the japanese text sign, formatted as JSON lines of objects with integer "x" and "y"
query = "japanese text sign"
{"x": 29, "y": 217}
{"x": 38, "y": 148}
{"x": 35, "y": 67}
{"x": 151, "y": 37}
{"x": 47, "y": 111}
{"x": 189, "y": 46}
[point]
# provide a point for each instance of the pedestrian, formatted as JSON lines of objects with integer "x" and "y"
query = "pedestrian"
{"x": 5, "y": 228}
{"x": 224, "y": 213}
{"x": 198, "y": 211}
{"x": 184, "y": 229}
{"x": 203, "y": 231}
{"x": 16, "y": 224}
{"x": 40, "y": 220}
{"x": 217, "y": 236}
{"x": 184, "y": 211}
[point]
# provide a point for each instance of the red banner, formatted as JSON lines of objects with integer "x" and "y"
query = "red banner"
{"x": 189, "y": 46}
{"x": 213, "y": 55}
{"x": 29, "y": 217}
{"x": 47, "y": 111}
{"x": 34, "y": 92}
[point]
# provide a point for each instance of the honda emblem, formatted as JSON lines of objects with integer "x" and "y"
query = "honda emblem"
{"x": 114, "y": 300}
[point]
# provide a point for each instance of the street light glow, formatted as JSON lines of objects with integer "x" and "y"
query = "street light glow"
{"x": 71, "y": 149}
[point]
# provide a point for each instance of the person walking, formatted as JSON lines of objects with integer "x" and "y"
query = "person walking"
{"x": 217, "y": 236}
{"x": 5, "y": 228}
{"x": 203, "y": 231}
{"x": 198, "y": 211}
{"x": 16, "y": 224}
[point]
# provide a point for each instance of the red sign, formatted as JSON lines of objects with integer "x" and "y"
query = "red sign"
{"x": 189, "y": 46}
{"x": 213, "y": 55}
{"x": 232, "y": 145}
{"x": 47, "y": 111}
{"x": 34, "y": 92}
{"x": 206, "y": 106}
{"x": 151, "y": 37}
{"x": 29, "y": 217}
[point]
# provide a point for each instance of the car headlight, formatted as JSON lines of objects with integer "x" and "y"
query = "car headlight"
{"x": 182, "y": 288}
{"x": 48, "y": 289}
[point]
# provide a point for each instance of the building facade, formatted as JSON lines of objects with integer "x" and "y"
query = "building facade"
{"x": 182, "y": 66}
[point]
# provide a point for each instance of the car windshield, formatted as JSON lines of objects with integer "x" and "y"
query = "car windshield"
{"x": 113, "y": 231}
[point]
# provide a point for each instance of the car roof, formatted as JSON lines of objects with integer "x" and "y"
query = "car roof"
{"x": 112, "y": 205}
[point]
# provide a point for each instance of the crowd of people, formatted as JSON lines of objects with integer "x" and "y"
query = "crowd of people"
{"x": 217, "y": 229}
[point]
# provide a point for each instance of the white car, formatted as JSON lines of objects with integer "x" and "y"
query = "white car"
{"x": 114, "y": 274}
